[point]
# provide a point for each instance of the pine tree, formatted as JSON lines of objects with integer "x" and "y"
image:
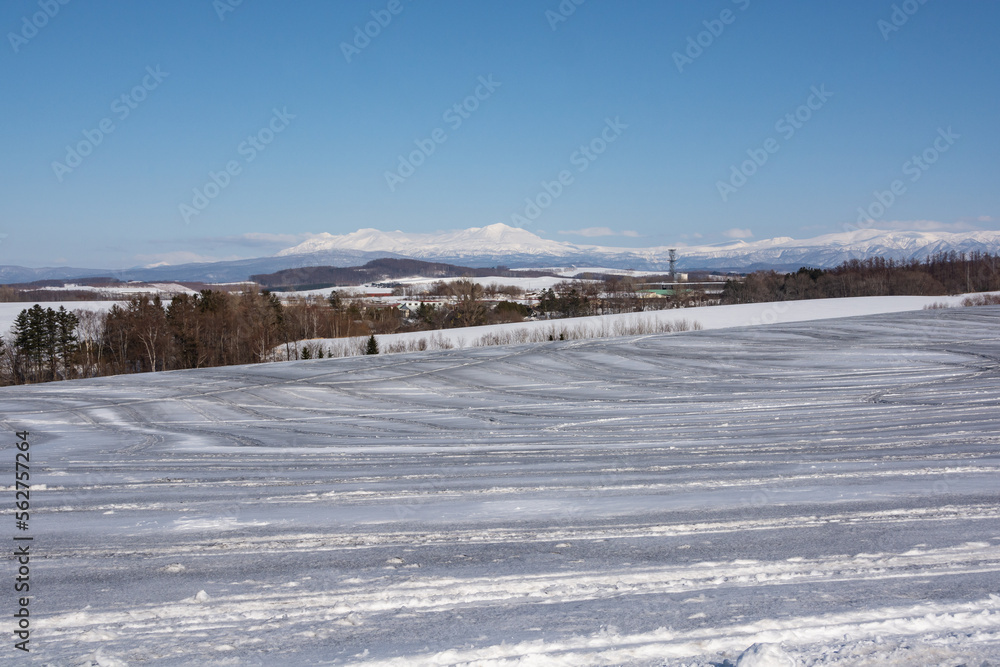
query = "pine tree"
{"x": 372, "y": 347}
{"x": 335, "y": 301}
{"x": 67, "y": 342}
{"x": 46, "y": 340}
{"x": 27, "y": 342}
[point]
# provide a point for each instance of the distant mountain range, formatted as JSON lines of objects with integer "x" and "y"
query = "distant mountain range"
{"x": 499, "y": 244}
{"x": 511, "y": 246}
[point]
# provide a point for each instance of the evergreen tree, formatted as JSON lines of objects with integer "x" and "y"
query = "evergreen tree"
{"x": 28, "y": 338}
{"x": 426, "y": 312}
{"x": 372, "y": 347}
{"x": 46, "y": 340}
{"x": 548, "y": 302}
{"x": 27, "y": 344}
{"x": 67, "y": 342}
{"x": 335, "y": 301}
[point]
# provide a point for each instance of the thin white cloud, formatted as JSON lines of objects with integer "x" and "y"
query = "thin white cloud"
{"x": 255, "y": 239}
{"x": 737, "y": 233}
{"x": 589, "y": 231}
{"x": 178, "y": 257}
{"x": 598, "y": 231}
{"x": 263, "y": 237}
{"x": 631, "y": 233}
{"x": 928, "y": 226}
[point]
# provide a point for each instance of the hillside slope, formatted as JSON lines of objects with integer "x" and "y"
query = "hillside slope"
{"x": 830, "y": 488}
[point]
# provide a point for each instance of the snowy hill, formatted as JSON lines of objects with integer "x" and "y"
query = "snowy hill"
{"x": 476, "y": 241}
{"x": 795, "y": 494}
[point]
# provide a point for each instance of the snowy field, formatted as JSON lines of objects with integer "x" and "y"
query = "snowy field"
{"x": 420, "y": 282}
{"x": 165, "y": 290}
{"x": 604, "y": 326}
{"x": 795, "y": 494}
{"x": 569, "y": 272}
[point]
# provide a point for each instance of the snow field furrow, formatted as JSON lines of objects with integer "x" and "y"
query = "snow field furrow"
{"x": 644, "y": 500}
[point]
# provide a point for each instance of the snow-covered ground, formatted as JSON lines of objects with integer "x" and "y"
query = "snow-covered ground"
{"x": 798, "y": 494}
{"x": 324, "y": 292}
{"x": 527, "y": 284}
{"x": 570, "y": 271}
{"x": 603, "y": 326}
{"x": 127, "y": 290}
{"x": 421, "y": 282}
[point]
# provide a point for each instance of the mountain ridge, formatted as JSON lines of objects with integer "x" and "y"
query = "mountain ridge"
{"x": 502, "y": 245}
{"x": 499, "y": 240}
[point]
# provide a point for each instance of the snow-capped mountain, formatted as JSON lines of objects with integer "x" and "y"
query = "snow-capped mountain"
{"x": 832, "y": 249}
{"x": 500, "y": 243}
{"x": 490, "y": 240}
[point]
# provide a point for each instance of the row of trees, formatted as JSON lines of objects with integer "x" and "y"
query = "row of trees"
{"x": 217, "y": 328}
{"x": 945, "y": 273}
{"x": 213, "y": 328}
{"x": 471, "y": 304}
{"x": 614, "y": 294}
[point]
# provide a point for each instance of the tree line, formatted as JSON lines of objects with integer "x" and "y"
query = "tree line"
{"x": 943, "y": 273}
{"x": 212, "y": 328}
{"x": 218, "y": 328}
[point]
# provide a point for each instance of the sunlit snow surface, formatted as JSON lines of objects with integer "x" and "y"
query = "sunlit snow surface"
{"x": 831, "y": 489}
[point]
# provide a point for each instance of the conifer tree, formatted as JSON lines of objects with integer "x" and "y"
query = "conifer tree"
{"x": 46, "y": 340}
{"x": 67, "y": 342}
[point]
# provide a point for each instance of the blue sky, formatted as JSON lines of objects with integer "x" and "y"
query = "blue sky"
{"x": 199, "y": 78}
